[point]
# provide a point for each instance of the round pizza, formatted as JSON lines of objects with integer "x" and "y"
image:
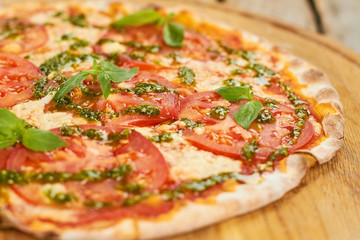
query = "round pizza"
{"x": 121, "y": 121}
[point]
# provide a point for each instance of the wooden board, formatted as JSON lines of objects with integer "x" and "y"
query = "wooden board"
{"x": 327, "y": 204}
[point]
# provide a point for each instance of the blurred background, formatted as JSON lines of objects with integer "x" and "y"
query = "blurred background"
{"x": 336, "y": 19}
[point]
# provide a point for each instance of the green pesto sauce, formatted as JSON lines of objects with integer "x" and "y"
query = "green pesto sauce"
{"x": 38, "y": 88}
{"x": 237, "y": 71}
{"x": 142, "y": 88}
{"x": 271, "y": 103}
{"x": 63, "y": 60}
{"x": 190, "y": 124}
{"x": 219, "y": 112}
{"x": 164, "y": 137}
{"x": 60, "y": 198}
{"x": 260, "y": 69}
{"x": 135, "y": 199}
{"x": 138, "y": 46}
{"x": 231, "y": 61}
{"x": 68, "y": 131}
{"x": 244, "y": 54}
{"x": 199, "y": 185}
{"x": 97, "y": 204}
{"x": 281, "y": 152}
{"x": 137, "y": 56}
{"x": 187, "y": 76}
{"x": 105, "y": 40}
{"x": 78, "y": 20}
{"x": 143, "y": 109}
{"x": 79, "y": 43}
{"x": 176, "y": 59}
{"x": 249, "y": 149}
{"x": 265, "y": 116}
{"x": 10, "y": 177}
{"x": 295, "y": 100}
{"x": 93, "y": 134}
{"x": 133, "y": 188}
{"x": 93, "y": 115}
{"x": 85, "y": 90}
{"x": 13, "y": 29}
{"x": 116, "y": 137}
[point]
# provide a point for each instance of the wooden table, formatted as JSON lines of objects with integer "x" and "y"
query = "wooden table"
{"x": 336, "y": 19}
{"x": 327, "y": 204}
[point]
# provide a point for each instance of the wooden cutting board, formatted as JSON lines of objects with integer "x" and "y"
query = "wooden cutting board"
{"x": 327, "y": 203}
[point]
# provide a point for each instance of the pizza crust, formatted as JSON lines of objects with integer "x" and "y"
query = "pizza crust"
{"x": 246, "y": 197}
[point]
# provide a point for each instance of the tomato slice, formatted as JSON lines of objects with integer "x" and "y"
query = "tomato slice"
{"x": 217, "y": 143}
{"x": 28, "y": 39}
{"x": 307, "y": 133}
{"x": 167, "y": 102}
{"x": 16, "y": 79}
{"x": 82, "y": 153}
{"x": 195, "y": 106}
{"x": 127, "y": 62}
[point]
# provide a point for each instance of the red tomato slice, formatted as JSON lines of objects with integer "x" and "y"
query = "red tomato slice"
{"x": 149, "y": 160}
{"x": 220, "y": 144}
{"x": 166, "y": 102}
{"x": 127, "y": 62}
{"x": 306, "y": 135}
{"x": 86, "y": 154}
{"x": 192, "y": 107}
{"x": 16, "y": 78}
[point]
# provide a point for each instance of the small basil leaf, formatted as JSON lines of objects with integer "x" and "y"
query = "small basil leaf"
{"x": 104, "y": 80}
{"x": 6, "y": 142}
{"x": 116, "y": 73}
{"x": 40, "y": 140}
{"x": 9, "y": 120}
{"x": 173, "y": 34}
{"x": 10, "y": 125}
{"x": 70, "y": 84}
{"x": 138, "y": 18}
{"x": 248, "y": 113}
{"x": 234, "y": 94}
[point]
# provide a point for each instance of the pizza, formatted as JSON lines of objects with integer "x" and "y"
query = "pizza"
{"x": 124, "y": 121}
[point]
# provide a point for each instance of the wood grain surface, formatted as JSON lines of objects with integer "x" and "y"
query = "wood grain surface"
{"x": 333, "y": 18}
{"x": 327, "y": 203}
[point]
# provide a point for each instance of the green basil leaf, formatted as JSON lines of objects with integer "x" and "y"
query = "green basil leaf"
{"x": 248, "y": 113}
{"x": 9, "y": 120}
{"x": 11, "y": 127}
{"x": 70, "y": 84}
{"x": 40, "y": 140}
{"x": 105, "y": 84}
{"x": 234, "y": 94}
{"x": 5, "y": 141}
{"x": 173, "y": 34}
{"x": 116, "y": 73}
{"x": 142, "y": 17}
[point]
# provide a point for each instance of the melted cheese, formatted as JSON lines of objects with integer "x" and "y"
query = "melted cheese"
{"x": 33, "y": 113}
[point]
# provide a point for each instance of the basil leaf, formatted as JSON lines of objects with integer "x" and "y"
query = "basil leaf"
{"x": 105, "y": 84}
{"x": 138, "y": 18}
{"x": 248, "y": 113}
{"x": 116, "y": 73}
{"x": 70, "y": 84}
{"x": 173, "y": 34}
{"x": 40, "y": 140}
{"x": 9, "y": 120}
{"x": 234, "y": 94}
{"x": 5, "y": 141}
{"x": 11, "y": 127}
